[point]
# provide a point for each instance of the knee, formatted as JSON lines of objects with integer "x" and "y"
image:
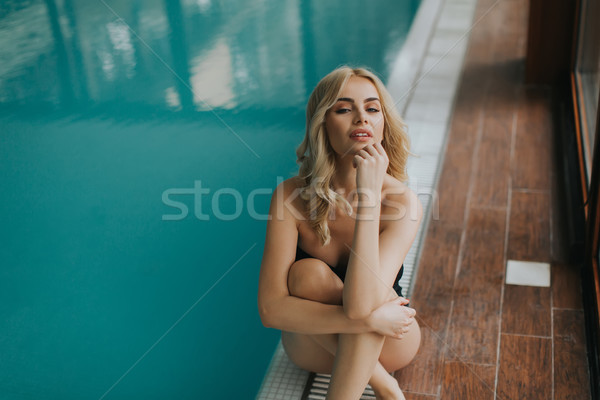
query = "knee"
{"x": 305, "y": 277}
{"x": 398, "y": 353}
{"x": 312, "y": 279}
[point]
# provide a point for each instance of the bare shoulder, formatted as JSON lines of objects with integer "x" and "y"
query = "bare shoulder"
{"x": 286, "y": 201}
{"x": 399, "y": 202}
{"x": 290, "y": 185}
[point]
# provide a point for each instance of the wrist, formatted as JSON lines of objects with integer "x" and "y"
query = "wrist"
{"x": 367, "y": 323}
{"x": 368, "y": 195}
{"x": 368, "y": 212}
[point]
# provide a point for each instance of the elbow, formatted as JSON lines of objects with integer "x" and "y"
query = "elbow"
{"x": 356, "y": 306}
{"x": 356, "y": 311}
{"x": 362, "y": 309}
{"x": 265, "y": 318}
{"x": 266, "y": 315}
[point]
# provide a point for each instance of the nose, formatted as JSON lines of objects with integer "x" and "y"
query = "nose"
{"x": 361, "y": 117}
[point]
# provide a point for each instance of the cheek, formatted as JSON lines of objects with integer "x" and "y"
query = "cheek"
{"x": 379, "y": 130}
{"x": 333, "y": 127}
{"x": 330, "y": 133}
{"x": 378, "y": 122}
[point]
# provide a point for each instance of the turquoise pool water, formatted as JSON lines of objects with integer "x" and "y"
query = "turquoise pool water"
{"x": 139, "y": 145}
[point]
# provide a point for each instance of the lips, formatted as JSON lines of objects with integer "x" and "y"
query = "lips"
{"x": 361, "y": 133}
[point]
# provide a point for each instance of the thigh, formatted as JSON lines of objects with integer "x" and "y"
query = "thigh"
{"x": 306, "y": 353}
{"x": 398, "y": 353}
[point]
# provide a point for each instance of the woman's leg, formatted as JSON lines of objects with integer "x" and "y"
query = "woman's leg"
{"x": 314, "y": 280}
{"x": 395, "y": 354}
{"x": 355, "y": 361}
{"x": 311, "y": 279}
{"x": 398, "y": 353}
{"x": 359, "y": 356}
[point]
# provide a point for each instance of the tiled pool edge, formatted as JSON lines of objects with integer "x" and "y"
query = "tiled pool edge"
{"x": 440, "y": 34}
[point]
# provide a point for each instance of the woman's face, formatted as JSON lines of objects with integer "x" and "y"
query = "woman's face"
{"x": 356, "y": 119}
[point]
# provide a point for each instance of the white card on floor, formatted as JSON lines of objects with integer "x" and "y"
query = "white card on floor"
{"x": 527, "y": 273}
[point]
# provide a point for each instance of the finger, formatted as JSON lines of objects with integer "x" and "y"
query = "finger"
{"x": 401, "y": 301}
{"x": 358, "y": 159}
{"x": 379, "y": 148}
{"x": 370, "y": 149}
{"x": 362, "y": 153}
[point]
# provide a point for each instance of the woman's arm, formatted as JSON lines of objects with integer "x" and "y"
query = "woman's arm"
{"x": 377, "y": 251}
{"x": 277, "y": 308}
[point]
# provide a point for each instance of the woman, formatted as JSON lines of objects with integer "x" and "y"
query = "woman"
{"x": 336, "y": 238}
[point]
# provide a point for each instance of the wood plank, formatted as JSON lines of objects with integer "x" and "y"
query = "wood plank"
{"x": 502, "y": 92}
{"x": 430, "y": 299}
{"x": 525, "y": 368}
{"x": 468, "y": 381}
{"x": 526, "y": 310}
{"x": 475, "y": 317}
{"x": 529, "y": 234}
{"x": 571, "y": 377}
{"x": 438, "y": 259}
{"x": 533, "y": 150}
{"x": 479, "y": 51}
{"x": 507, "y": 65}
{"x": 492, "y": 169}
{"x": 566, "y": 286}
{"x": 453, "y": 186}
{"x": 483, "y": 7}
{"x": 418, "y": 396}
{"x": 513, "y": 31}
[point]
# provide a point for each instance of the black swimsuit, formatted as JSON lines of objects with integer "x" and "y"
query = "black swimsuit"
{"x": 340, "y": 270}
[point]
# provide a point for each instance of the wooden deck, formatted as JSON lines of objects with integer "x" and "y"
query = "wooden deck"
{"x": 499, "y": 199}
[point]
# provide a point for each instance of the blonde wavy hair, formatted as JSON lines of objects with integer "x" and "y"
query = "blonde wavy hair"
{"x": 317, "y": 158}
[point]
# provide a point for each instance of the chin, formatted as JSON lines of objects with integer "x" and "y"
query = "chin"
{"x": 360, "y": 145}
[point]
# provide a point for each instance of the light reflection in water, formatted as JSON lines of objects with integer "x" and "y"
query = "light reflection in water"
{"x": 270, "y": 54}
{"x": 212, "y": 78}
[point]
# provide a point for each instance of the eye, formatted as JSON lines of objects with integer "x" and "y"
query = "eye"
{"x": 342, "y": 110}
{"x": 373, "y": 109}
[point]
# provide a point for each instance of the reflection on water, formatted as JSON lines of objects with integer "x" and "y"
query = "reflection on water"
{"x": 188, "y": 54}
{"x": 105, "y": 105}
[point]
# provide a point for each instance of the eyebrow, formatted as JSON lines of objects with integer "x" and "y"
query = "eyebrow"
{"x": 348, "y": 99}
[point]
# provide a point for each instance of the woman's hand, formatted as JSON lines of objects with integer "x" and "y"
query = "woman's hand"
{"x": 371, "y": 164}
{"x": 392, "y": 318}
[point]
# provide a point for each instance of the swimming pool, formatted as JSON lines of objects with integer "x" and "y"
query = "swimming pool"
{"x": 140, "y": 144}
